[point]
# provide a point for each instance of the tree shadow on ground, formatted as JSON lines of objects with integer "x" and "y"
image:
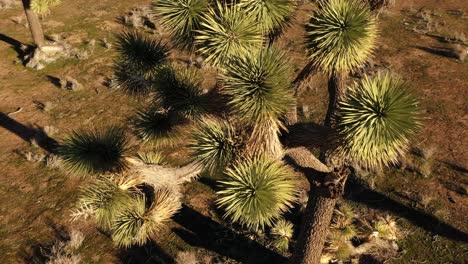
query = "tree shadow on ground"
{"x": 357, "y": 192}
{"x": 440, "y": 51}
{"x": 149, "y": 253}
{"x": 29, "y": 133}
{"x": 201, "y": 231}
{"x": 20, "y": 48}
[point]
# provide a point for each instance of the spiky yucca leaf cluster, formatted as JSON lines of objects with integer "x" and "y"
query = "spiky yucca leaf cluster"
{"x": 258, "y": 85}
{"x": 130, "y": 80}
{"x": 139, "y": 51}
{"x": 120, "y": 208}
{"x": 151, "y": 158}
{"x": 215, "y": 144}
{"x": 378, "y": 116}
{"x": 105, "y": 198}
{"x": 96, "y": 151}
{"x": 256, "y": 192}
{"x": 139, "y": 61}
{"x": 179, "y": 89}
{"x": 158, "y": 127}
{"x": 227, "y": 31}
{"x": 341, "y": 35}
{"x": 136, "y": 224}
{"x": 181, "y": 18}
{"x": 271, "y": 15}
{"x": 43, "y": 6}
{"x": 282, "y": 231}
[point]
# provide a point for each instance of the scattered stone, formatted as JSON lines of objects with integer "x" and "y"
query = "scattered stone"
{"x": 82, "y": 55}
{"x": 18, "y": 19}
{"x": 92, "y": 43}
{"x": 50, "y": 130}
{"x": 140, "y": 18}
{"x": 106, "y": 44}
{"x": 70, "y": 84}
{"x": 4, "y": 4}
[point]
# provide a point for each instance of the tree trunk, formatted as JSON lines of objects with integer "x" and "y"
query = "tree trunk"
{"x": 336, "y": 90}
{"x": 322, "y": 198}
{"x": 314, "y": 229}
{"x": 34, "y": 24}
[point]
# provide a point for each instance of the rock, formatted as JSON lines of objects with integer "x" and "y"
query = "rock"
{"x": 70, "y": 83}
{"x": 52, "y": 49}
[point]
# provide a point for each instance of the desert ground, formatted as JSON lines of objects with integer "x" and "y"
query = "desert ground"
{"x": 428, "y": 198}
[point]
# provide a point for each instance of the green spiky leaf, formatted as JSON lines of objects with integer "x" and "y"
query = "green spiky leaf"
{"x": 158, "y": 127}
{"x": 181, "y": 18}
{"x": 227, "y": 31}
{"x": 137, "y": 224}
{"x": 341, "y": 35}
{"x": 256, "y": 192}
{"x": 272, "y": 16}
{"x": 215, "y": 144}
{"x": 131, "y": 80}
{"x": 282, "y": 232}
{"x": 180, "y": 90}
{"x": 142, "y": 53}
{"x": 378, "y": 117}
{"x": 106, "y": 199}
{"x": 96, "y": 151}
{"x": 258, "y": 85}
{"x": 151, "y": 158}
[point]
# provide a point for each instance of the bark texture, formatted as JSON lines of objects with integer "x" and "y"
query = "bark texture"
{"x": 322, "y": 197}
{"x": 34, "y": 24}
{"x": 314, "y": 229}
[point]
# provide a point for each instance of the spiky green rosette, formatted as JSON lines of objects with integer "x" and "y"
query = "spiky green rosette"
{"x": 105, "y": 199}
{"x": 260, "y": 93}
{"x": 256, "y": 192}
{"x": 137, "y": 224}
{"x": 258, "y": 85}
{"x": 181, "y": 18}
{"x": 214, "y": 144}
{"x": 271, "y": 15}
{"x": 227, "y": 31}
{"x": 43, "y": 6}
{"x": 282, "y": 231}
{"x": 140, "y": 57}
{"x": 341, "y": 35}
{"x": 95, "y": 151}
{"x": 141, "y": 52}
{"x": 158, "y": 127}
{"x": 377, "y": 119}
{"x": 180, "y": 90}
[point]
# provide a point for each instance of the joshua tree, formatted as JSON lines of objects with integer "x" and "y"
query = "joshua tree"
{"x": 376, "y": 119}
{"x": 370, "y": 125}
{"x": 32, "y": 8}
{"x": 341, "y": 36}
